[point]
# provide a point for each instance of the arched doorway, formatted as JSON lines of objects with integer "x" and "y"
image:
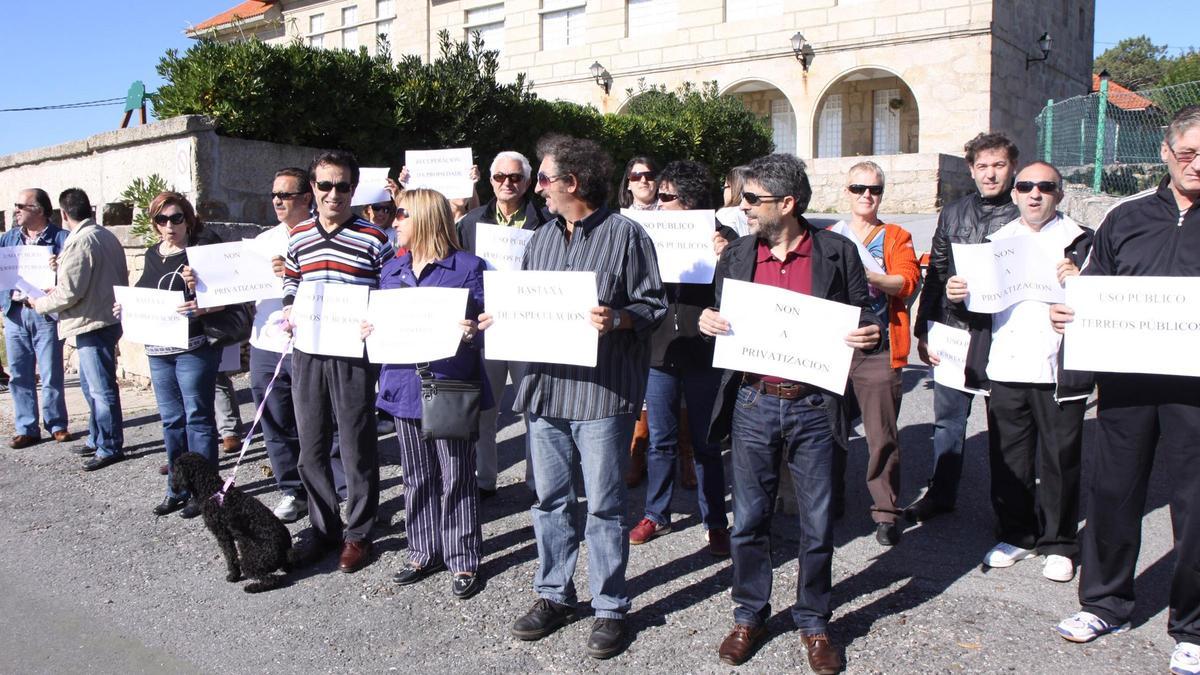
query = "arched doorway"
{"x": 867, "y": 111}
{"x": 768, "y": 102}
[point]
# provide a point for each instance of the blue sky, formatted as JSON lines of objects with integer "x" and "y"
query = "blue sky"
{"x": 67, "y": 51}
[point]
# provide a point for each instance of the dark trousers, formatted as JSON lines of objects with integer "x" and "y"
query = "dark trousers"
{"x": 951, "y": 408}
{"x": 329, "y": 389}
{"x": 1034, "y": 446}
{"x": 1139, "y": 416}
{"x": 877, "y": 387}
{"x": 764, "y": 430}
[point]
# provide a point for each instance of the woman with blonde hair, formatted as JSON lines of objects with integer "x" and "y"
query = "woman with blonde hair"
{"x": 440, "y": 491}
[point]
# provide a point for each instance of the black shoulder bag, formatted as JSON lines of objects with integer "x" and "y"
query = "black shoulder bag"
{"x": 449, "y": 408}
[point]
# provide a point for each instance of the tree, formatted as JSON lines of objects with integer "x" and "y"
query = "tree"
{"x": 1185, "y": 68}
{"x": 1135, "y": 62}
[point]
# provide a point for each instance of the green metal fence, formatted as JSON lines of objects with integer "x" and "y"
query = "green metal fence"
{"x": 1110, "y": 140}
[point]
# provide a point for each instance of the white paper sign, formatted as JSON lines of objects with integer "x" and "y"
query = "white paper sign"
{"x": 1134, "y": 325}
{"x": 447, "y": 171}
{"x": 1000, "y": 274}
{"x": 683, "y": 241}
{"x": 271, "y": 243}
{"x": 778, "y": 332}
{"x": 151, "y": 316}
{"x": 233, "y": 272}
{"x": 501, "y": 246}
{"x": 327, "y": 318}
{"x": 30, "y": 264}
{"x": 950, "y": 345}
{"x": 868, "y": 260}
{"x": 413, "y": 325}
{"x": 541, "y": 317}
{"x": 372, "y": 186}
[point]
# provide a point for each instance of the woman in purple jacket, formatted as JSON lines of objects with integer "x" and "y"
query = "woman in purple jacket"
{"x": 440, "y": 492}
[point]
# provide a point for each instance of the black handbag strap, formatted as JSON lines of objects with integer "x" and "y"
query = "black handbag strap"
{"x": 424, "y": 373}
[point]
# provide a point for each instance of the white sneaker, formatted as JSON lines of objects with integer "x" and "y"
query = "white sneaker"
{"x": 1085, "y": 627}
{"x": 1006, "y": 555}
{"x": 290, "y": 509}
{"x": 1058, "y": 568}
{"x": 1185, "y": 660}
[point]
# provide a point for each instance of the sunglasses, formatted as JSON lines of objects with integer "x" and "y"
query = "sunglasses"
{"x": 401, "y": 212}
{"x": 544, "y": 180}
{"x": 667, "y": 197}
{"x": 509, "y": 177}
{"x": 342, "y": 187}
{"x": 638, "y": 176}
{"x": 1043, "y": 186}
{"x": 25, "y": 207}
{"x": 857, "y": 189}
{"x": 754, "y": 199}
{"x": 285, "y": 196}
{"x": 163, "y": 219}
{"x": 383, "y": 206}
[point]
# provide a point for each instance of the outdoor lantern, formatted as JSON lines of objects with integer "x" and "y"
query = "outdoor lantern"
{"x": 801, "y": 49}
{"x": 1044, "y": 43}
{"x": 603, "y": 79}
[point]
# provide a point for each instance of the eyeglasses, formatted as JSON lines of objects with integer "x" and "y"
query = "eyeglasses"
{"x": 401, "y": 212}
{"x": 342, "y": 187}
{"x": 509, "y": 177}
{"x": 285, "y": 196}
{"x": 1043, "y": 186}
{"x": 638, "y": 176}
{"x": 544, "y": 180}
{"x": 857, "y": 189}
{"x": 163, "y": 219}
{"x": 754, "y": 199}
{"x": 1184, "y": 157}
{"x": 26, "y": 207}
{"x": 667, "y": 197}
{"x": 383, "y": 206}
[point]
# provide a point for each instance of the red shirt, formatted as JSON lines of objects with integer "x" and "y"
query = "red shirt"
{"x": 794, "y": 273}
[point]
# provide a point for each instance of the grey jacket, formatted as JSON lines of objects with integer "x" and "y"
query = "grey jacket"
{"x": 91, "y": 263}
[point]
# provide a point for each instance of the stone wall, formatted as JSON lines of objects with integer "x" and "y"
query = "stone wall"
{"x": 916, "y": 183}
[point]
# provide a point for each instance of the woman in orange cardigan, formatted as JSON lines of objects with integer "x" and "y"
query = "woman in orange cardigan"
{"x": 892, "y": 275}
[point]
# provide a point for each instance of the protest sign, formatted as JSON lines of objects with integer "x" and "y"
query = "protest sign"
{"x": 372, "y": 186}
{"x": 327, "y": 318}
{"x": 413, "y": 325}
{"x": 270, "y": 244}
{"x": 233, "y": 272}
{"x": 447, "y": 171}
{"x": 541, "y": 317}
{"x": 950, "y": 345}
{"x": 30, "y": 264}
{"x": 683, "y": 241}
{"x": 778, "y": 332}
{"x": 152, "y": 317}
{"x": 500, "y": 246}
{"x": 1000, "y": 274}
{"x": 1134, "y": 325}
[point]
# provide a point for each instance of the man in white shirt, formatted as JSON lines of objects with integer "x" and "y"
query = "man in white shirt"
{"x": 1035, "y": 495}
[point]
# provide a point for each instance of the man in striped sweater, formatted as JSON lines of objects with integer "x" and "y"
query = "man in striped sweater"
{"x": 340, "y": 248}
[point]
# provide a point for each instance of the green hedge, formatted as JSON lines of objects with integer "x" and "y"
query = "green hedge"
{"x": 377, "y": 109}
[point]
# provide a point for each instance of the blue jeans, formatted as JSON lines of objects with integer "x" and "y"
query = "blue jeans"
{"x": 97, "y": 352}
{"x": 185, "y": 386}
{"x": 601, "y": 449}
{"x": 764, "y": 429}
{"x": 32, "y": 342}
{"x": 664, "y": 389}
{"x": 951, "y": 408}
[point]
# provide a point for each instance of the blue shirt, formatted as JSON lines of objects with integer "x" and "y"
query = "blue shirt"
{"x": 53, "y": 236}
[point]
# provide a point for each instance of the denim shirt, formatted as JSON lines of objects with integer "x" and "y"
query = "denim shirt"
{"x": 399, "y": 384}
{"x": 53, "y": 236}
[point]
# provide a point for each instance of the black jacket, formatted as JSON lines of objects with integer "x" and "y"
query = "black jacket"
{"x": 837, "y": 274}
{"x": 1146, "y": 235}
{"x": 534, "y": 218}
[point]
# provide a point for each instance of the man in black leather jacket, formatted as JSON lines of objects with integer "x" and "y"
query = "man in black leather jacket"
{"x": 992, "y": 159}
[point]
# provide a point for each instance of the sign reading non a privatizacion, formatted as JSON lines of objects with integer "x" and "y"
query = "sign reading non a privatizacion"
{"x": 30, "y": 264}
{"x": 1133, "y": 325}
{"x": 415, "y": 325}
{"x": 501, "y": 247}
{"x": 950, "y": 345}
{"x": 151, "y": 317}
{"x": 683, "y": 241}
{"x": 232, "y": 272}
{"x": 778, "y": 332}
{"x": 447, "y": 171}
{"x": 541, "y": 317}
{"x": 327, "y": 318}
{"x": 1002, "y": 273}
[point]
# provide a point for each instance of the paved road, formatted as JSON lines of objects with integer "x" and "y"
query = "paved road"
{"x": 92, "y": 581}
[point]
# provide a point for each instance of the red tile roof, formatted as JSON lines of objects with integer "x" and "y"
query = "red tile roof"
{"x": 247, "y": 10}
{"x": 1122, "y": 97}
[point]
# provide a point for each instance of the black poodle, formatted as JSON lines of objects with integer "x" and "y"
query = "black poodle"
{"x": 241, "y": 524}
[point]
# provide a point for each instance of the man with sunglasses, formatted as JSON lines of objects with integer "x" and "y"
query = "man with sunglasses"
{"x": 770, "y": 419}
{"x": 512, "y": 206}
{"x": 31, "y": 339}
{"x": 992, "y": 159}
{"x": 1154, "y": 233}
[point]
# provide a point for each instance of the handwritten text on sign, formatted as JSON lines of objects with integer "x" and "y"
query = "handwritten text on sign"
{"x": 1133, "y": 325}
{"x": 151, "y": 317}
{"x": 683, "y": 241}
{"x": 501, "y": 246}
{"x": 414, "y": 325}
{"x": 1001, "y": 274}
{"x": 28, "y": 264}
{"x": 327, "y": 318}
{"x": 541, "y": 317}
{"x": 785, "y": 334}
{"x": 233, "y": 272}
{"x": 950, "y": 345}
{"x": 447, "y": 171}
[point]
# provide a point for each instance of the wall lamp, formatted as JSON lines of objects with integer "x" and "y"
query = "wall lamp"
{"x": 802, "y": 49}
{"x": 603, "y": 79}
{"x": 1044, "y": 43}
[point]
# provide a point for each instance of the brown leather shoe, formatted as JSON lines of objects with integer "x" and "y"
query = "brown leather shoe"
{"x": 355, "y": 556}
{"x": 22, "y": 441}
{"x": 823, "y": 656}
{"x": 718, "y": 542}
{"x": 62, "y": 436}
{"x": 231, "y": 444}
{"x": 740, "y": 643}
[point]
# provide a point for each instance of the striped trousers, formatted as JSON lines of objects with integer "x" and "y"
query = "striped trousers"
{"x": 440, "y": 499}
